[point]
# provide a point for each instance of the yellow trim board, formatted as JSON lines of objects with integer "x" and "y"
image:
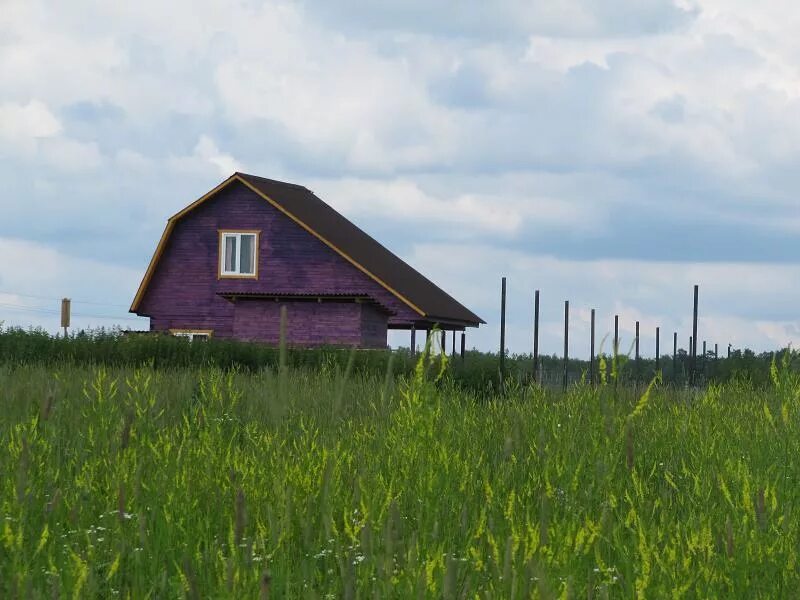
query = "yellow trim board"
{"x": 235, "y": 177}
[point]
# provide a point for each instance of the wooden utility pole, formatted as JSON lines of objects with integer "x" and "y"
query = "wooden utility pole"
{"x": 66, "y": 305}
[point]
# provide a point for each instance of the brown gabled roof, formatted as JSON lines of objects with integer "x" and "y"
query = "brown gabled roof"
{"x": 365, "y": 253}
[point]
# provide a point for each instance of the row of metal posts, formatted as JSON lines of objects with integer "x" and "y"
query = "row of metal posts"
{"x": 565, "y": 381}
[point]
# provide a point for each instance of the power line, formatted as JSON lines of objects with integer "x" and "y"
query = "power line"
{"x": 59, "y": 299}
{"x": 49, "y": 311}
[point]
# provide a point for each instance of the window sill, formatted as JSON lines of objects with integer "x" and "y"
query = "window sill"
{"x": 221, "y": 276}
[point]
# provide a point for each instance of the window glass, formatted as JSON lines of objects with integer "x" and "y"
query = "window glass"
{"x": 238, "y": 254}
{"x": 230, "y": 254}
{"x": 247, "y": 258}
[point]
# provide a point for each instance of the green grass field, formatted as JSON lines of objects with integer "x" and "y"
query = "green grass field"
{"x": 204, "y": 483}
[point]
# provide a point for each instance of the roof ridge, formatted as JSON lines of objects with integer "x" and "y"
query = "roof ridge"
{"x": 288, "y": 184}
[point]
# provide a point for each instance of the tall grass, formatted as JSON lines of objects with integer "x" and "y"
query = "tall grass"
{"x": 203, "y": 482}
{"x": 478, "y": 372}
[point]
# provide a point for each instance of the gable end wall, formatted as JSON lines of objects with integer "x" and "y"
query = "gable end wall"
{"x": 183, "y": 292}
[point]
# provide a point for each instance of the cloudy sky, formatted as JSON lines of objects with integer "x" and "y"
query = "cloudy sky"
{"x": 610, "y": 153}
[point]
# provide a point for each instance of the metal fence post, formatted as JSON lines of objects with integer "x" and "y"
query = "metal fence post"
{"x": 536, "y": 335}
{"x": 638, "y": 370}
{"x": 591, "y": 351}
{"x": 674, "y": 358}
{"x": 694, "y": 335}
{"x": 566, "y": 343}
{"x": 658, "y": 348}
{"x": 502, "y": 334}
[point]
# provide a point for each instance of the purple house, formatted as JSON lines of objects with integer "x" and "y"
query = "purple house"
{"x": 227, "y": 263}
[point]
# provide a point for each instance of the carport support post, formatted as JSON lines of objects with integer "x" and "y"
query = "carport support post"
{"x": 566, "y": 343}
{"x": 536, "y": 335}
{"x": 463, "y": 345}
{"x": 591, "y": 351}
{"x": 413, "y": 341}
{"x": 444, "y": 339}
{"x": 502, "y": 334}
{"x": 454, "y": 344}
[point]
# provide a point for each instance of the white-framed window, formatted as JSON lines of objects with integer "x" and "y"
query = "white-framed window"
{"x": 193, "y": 335}
{"x": 238, "y": 254}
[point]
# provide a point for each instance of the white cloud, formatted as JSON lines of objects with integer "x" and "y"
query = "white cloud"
{"x": 330, "y": 93}
{"x": 207, "y": 151}
{"x": 511, "y": 18}
{"x": 504, "y": 211}
{"x": 130, "y": 160}
{"x": 32, "y": 130}
{"x": 71, "y": 155}
{"x": 23, "y": 122}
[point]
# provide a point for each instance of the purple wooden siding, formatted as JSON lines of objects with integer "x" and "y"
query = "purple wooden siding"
{"x": 182, "y": 293}
{"x": 373, "y": 327}
{"x": 309, "y": 323}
